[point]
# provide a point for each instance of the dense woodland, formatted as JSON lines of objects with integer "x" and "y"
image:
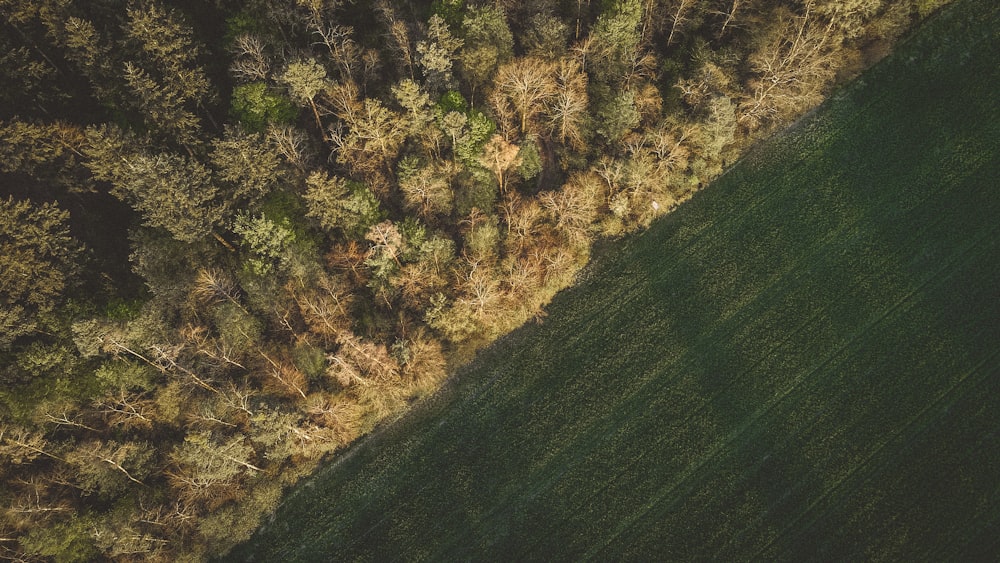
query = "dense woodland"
{"x": 234, "y": 236}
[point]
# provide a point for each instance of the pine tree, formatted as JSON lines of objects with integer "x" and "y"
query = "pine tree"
{"x": 436, "y": 56}
{"x": 246, "y": 164}
{"x": 341, "y": 205}
{"x": 162, "y": 73}
{"x": 488, "y": 44}
{"x": 175, "y": 193}
{"x": 38, "y": 261}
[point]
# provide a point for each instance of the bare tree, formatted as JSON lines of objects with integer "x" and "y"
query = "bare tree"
{"x": 250, "y": 62}
{"x": 291, "y": 143}
{"x": 525, "y": 85}
{"x": 566, "y": 110}
{"x": 678, "y": 15}
{"x": 480, "y": 290}
{"x": 398, "y": 36}
{"x": 791, "y": 67}
{"x": 729, "y": 14}
{"x": 127, "y": 409}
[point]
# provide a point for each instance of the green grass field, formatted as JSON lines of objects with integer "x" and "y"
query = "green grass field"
{"x": 801, "y": 363}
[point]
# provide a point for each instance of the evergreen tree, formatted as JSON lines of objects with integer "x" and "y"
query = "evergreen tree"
{"x": 165, "y": 80}
{"x": 172, "y": 192}
{"x": 339, "y": 204}
{"x": 246, "y": 164}
{"x": 38, "y": 261}
{"x": 488, "y": 43}
{"x": 436, "y": 56}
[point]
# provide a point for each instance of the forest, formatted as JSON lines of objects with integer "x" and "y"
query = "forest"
{"x": 236, "y": 236}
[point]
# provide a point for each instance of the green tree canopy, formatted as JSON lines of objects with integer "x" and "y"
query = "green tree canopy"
{"x": 488, "y": 44}
{"x": 341, "y": 204}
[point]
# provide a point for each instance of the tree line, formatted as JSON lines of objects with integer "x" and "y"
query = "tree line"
{"x": 234, "y": 236}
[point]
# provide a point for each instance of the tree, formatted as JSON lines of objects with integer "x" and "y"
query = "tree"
{"x": 34, "y": 500}
{"x": 165, "y": 80}
{"x": 417, "y": 104}
{"x": 545, "y": 37}
{"x": 325, "y": 307}
{"x": 108, "y": 149}
{"x": 436, "y": 56}
{"x": 126, "y": 409}
{"x": 618, "y": 116}
{"x": 481, "y": 235}
{"x": 669, "y": 143}
{"x": 719, "y": 127}
{"x": 472, "y": 136}
{"x": 708, "y": 80}
{"x": 574, "y": 207}
{"x": 425, "y": 363}
{"x": 615, "y": 41}
{"x": 38, "y": 260}
{"x": 264, "y": 238}
{"x": 524, "y": 218}
{"x": 160, "y": 107}
{"x": 109, "y": 467}
{"x": 246, "y": 163}
{"x": 454, "y": 124}
{"x": 679, "y": 15}
{"x": 791, "y": 65}
{"x": 358, "y": 362}
{"x": 256, "y": 106}
{"x": 49, "y": 152}
{"x": 338, "y": 40}
{"x": 373, "y": 137}
{"x": 238, "y": 334}
{"x": 566, "y": 111}
{"x": 730, "y": 13}
{"x": 291, "y": 143}
{"x": 399, "y": 36}
{"x": 480, "y": 292}
{"x": 167, "y": 265}
{"x": 305, "y": 78}
{"x": 20, "y": 445}
{"x": 172, "y": 192}
{"x": 208, "y": 468}
{"x": 69, "y": 541}
{"x": 162, "y": 38}
{"x": 284, "y": 377}
{"x": 25, "y": 74}
{"x": 250, "y": 62}
{"x": 426, "y": 188}
{"x": 488, "y": 44}
{"x": 523, "y": 87}
{"x": 92, "y": 53}
{"x": 383, "y": 257}
{"x": 419, "y": 281}
{"x": 342, "y": 205}
{"x": 500, "y": 157}
{"x": 848, "y": 16}
{"x": 279, "y": 433}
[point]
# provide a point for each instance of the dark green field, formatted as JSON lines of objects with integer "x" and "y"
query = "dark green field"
{"x": 802, "y": 363}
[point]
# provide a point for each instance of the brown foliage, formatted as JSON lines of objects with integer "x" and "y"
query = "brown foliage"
{"x": 522, "y": 88}
{"x": 361, "y": 362}
{"x": 792, "y": 65}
